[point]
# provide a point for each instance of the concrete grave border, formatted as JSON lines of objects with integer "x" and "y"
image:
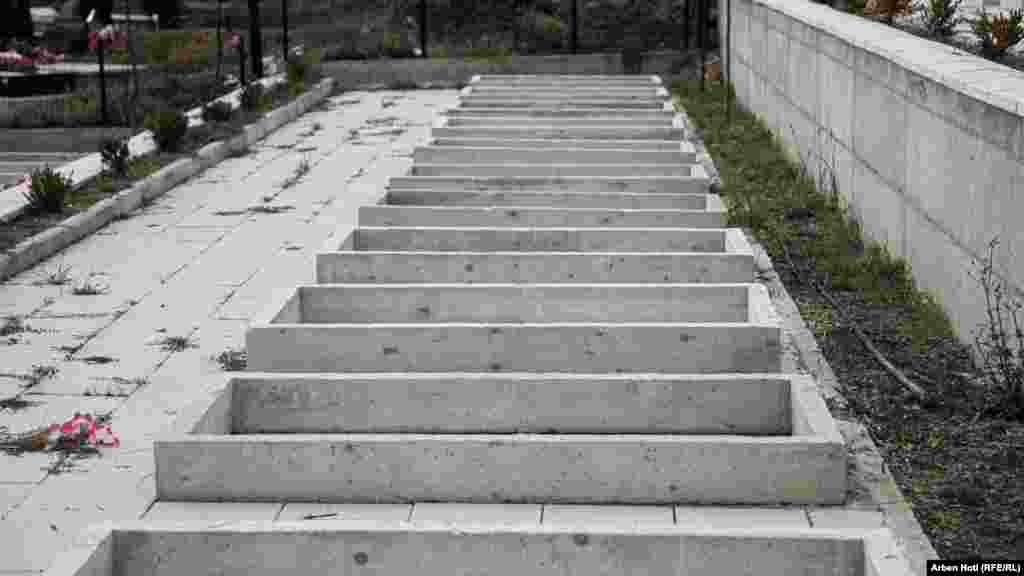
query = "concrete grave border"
{"x": 813, "y": 436}
{"x": 43, "y": 245}
{"x": 860, "y": 553}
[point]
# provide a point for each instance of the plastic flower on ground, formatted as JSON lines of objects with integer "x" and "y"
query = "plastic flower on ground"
{"x": 12, "y": 57}
{"x": 234, "y": 39}
{"x": 82, "y": 431}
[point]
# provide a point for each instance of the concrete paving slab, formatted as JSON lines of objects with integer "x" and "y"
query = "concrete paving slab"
{"x": 492, "y": 515}
{"x": 531, "y": 267}
{"x": 12, "y": 495}
{"x": 554, "y": 199}
{"x": 845, "y": 519}
{"x": 536, "y": 217}
{"x": 530, "y": 303}
{"x": 562, "y": 143}
{"x": 738, "y": 517}
{"x": 493, "y": 468}
{"x": 507, "y": 403}
{"x": 603, "y": 348}
{"x": 334, "y": 546}
{"x": 31, "y": 468}
{"x": 212, "y": 512}
{"x": 534, "y": 170}
{"x": 320, "y": 512}
{"x": 496, "y": 155}
{"x": 697, "y": 184}
{"x": 589, "y": 517}
{"x": 539, "y": 239}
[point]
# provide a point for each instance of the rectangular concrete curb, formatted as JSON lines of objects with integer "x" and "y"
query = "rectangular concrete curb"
{"x": 43, "y": 245}
{"x": 453, "y": 197}
{"x": 566, "y": 132}
{"x": 536, "y": 217}
{"x": 477, "y": 102}
{"x": 567, "y": 170}
{"x": 531, "y": 267}
{"x": 508, "y": 468}
{"x": 457, "y": 111}
{"x": 758, "y": 404}
{"x": 467, "y": 121}
{"x": 563, "y": 143}
{"x": 513, "y": 155}
{"x": 489, "y": 302}
{"x": 603, "y": 347}
{"x": 478, "y": 239}
{"x": 326, "y": 547}
{"x": 698, "y": 183}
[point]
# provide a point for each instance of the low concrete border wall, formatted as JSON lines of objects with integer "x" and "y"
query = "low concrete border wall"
{"x": 43, "y": 245}
{"x": 448, "y": 73}
{"x": 926, "y": 142}
{"x": 191, "y": 547}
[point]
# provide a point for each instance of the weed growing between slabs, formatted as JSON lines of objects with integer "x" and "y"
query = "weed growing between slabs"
{"x": 956, "y": 452}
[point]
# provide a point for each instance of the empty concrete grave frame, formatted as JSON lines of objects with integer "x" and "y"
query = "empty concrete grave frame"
{"x": 343, "y": 265}
{"x": 331, "y": 547}
{"x": 484, "y": 151}
{"x": 714, "y": 215}
{"x": 464, "y": 194}
{"x": 372, "y": 438}
{"x": 497, "y": 178}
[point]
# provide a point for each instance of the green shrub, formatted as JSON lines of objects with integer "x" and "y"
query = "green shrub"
{"x": 297, "y": 69}
{"x": 169, "y": 127}
{"x": 48, "y": 191}
{"x": 996, "y": 35}
{"x": 115, "y": 155}
{"x": 217, "y": 112}
{"x": 940, "y": 17}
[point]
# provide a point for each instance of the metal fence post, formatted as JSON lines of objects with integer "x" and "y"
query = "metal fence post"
{"x": 255, "y": 39}
{"x": 423, "y": 28}
{"x": 702, "y": 33}
{"x": 574, "y": 23}
{"x": 284, "y": 25}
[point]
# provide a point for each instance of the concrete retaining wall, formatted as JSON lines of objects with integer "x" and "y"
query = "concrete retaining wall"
{"x": 926, "y": 142}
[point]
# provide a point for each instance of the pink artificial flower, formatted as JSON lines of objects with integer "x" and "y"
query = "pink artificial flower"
{"x": 93, "y": 40}
{"x": 234, "y": 39}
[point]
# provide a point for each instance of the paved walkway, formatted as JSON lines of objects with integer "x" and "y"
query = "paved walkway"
{"x": 195, "y": 265}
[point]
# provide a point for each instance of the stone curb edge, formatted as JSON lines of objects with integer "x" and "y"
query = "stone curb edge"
{"x": 33, "y": 250}
{"x": 866, "y": 461}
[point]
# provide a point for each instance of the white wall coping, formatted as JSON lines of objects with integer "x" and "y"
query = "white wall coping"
{"x": 997, "y": 85}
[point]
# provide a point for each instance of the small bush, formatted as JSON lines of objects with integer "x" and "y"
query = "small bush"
{"x": 297, "y": 70}
{"x": 48, "y": 191}
{"x": 252, "y": 96}
{"x": 168, "y": 127}
{"x": 940, "y": 17}
{"x": 115, "y": 156}
{"x": 1000, "y": 339}
{"x": 996, "y": 35}
{"x": 217, "y": 112}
